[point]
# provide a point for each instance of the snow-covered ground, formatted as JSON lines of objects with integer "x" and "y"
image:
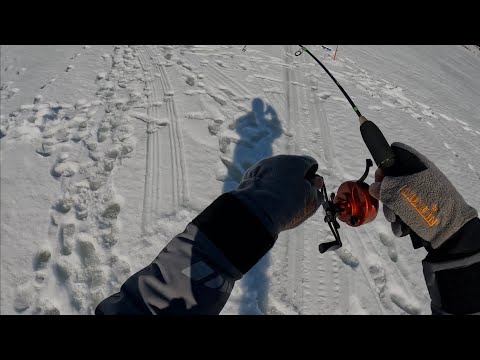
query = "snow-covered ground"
{"x": 108, "y": 151}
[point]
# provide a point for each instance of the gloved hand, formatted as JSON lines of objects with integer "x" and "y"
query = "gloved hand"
{"x": 425, "y": 202}
{"x": 282, "y": 191}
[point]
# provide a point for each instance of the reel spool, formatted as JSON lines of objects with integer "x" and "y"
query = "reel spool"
{"x": 358, "y": 206}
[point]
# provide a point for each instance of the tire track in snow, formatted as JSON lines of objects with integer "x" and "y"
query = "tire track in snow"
{"x": 234, "y": 90}
{"x": 255, "y": 286}
{"x": 327, "y": 290}
{"x": 162, "y": 196}
{"x": 228, "y": 80}
{"x": 367, "y": 248}
{"x": 148, "y": 180}
{"x": 181, "y": 194}
{"x": 335, "y": 296}
{"x": 172, "y": 144}
{"x": 216, "y": 76}
{"x": 333, "y": 278}
{"x": 326, "y": 270}
{"x": 254, "y": 292}
{"x": 294, "y": 237}
{"x": 308, "y": 260}
{"x": 275, "y": 99}
{"x": 324, "y": 137}
{"x": 311, "y": 277}
{"x": 152, "y": 156}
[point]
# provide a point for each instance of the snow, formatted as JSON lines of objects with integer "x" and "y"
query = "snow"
{"x": 107, "y": 152}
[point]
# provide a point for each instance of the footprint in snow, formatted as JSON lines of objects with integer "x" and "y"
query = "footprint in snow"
{"x": 24, "y": 297}
{"x": 389, "y": 104}
{"x": 429, "y": 114}
{"x": 380, "y": 279}
{"x": 337, "y": 98}
{"x": 389, "y": 243}
{"x": 64, "y": 167}
{"x": 324, "y": 95}
{"x": 51, "y": 81}
{"x": 462, "y": 122}
{"x": 66, "y": 235}
{"x": 375, "y": 107}
{"x": 426, "y": 107}
{"x": 416, "y": 116}
{"x": 347, "y": 257}
{"x": 473, "y": 169}
{"x": 399, "y": 298}
{"x": 446, "y": 117}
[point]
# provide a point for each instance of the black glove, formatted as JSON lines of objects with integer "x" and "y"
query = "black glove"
{"x": 282, "y": 191}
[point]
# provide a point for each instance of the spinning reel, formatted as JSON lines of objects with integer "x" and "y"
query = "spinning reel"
{"x": 352, "y": 205}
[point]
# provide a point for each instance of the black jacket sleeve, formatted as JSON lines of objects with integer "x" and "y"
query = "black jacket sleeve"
{"x": 196, "y": 271}
{"x": 452, "y": 272}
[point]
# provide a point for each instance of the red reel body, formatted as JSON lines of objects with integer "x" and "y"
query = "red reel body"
{"x": 358, "y": 206}
{"x": 352, "y": 205}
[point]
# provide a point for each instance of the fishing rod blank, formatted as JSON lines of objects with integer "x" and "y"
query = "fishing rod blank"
{"x": 376, "y": 143}
{"x": 334, "y": 80}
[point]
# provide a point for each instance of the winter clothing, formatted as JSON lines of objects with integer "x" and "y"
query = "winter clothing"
{"x": 425, "y": 201}
{"x": 196, "y": 271}
{"x": 279, "y": 191}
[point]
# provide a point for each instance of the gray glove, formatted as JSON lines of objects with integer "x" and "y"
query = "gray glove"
{"x": 425, "y": 202}
{"x": 282, "y": 191}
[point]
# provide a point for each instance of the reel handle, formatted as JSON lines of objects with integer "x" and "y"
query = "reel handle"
{"x": 332, "y": 245}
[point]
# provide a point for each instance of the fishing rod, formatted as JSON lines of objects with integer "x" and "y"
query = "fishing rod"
{"x": 299, "y": 52}
{"x": 393, "y": 164}
{"x": 353, "y": 203}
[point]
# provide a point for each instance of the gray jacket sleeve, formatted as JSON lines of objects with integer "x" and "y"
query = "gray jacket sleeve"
{"x": 196, "y": 271}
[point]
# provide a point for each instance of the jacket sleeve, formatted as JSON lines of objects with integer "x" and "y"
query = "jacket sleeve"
{"x": 196, "y": 271}
{"x": 452, "y": 273}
